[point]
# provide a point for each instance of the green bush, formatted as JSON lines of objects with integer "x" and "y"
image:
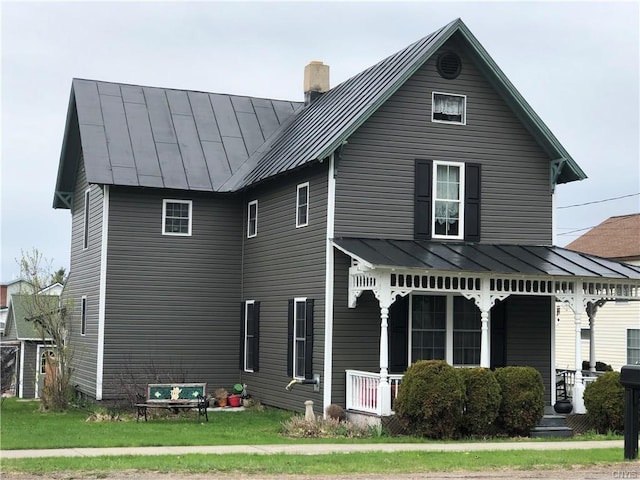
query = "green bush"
{"x": 604, "y": 401}
{"x": 522, "y": 403}
{"x": 431, "y": 399}
{"x": 482, "y": 401}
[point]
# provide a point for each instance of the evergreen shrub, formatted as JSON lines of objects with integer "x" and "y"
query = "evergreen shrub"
{"x": 431, "y": 399}
{"x": 604, "y": 401}
{"x": 482, "y": 401}
{"x": 522, "y": 403}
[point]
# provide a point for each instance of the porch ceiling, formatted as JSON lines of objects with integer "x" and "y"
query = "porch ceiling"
{"x": 531, "y": 260}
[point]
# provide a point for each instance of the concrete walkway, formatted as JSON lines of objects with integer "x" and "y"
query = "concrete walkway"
{"x": 312, "y": 449}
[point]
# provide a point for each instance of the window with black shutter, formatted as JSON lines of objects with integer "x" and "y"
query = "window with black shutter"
{"x": 300, "y": 338}
{"x": 250, "y": 336}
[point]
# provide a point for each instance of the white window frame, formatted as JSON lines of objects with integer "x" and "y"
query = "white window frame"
{"x": 252, "y": 232}
{"x": 83, "y": 315}
{"x": 627, "y": 344}
{"x": 300, "y": 224}
{"x": 449, "y": 328}
{"x": 164, "y": 217}
{"x": 85, "y": 219}
{"x": 449, "y": 122}
{"x": 246, "y": 334}
{"x": 296, "y": 338}
{"x": 461, "y": 167}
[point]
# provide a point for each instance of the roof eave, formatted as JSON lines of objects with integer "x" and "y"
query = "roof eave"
{"x": 63, "y": 194}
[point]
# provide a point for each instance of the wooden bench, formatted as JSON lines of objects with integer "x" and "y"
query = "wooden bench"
{"x": 173, "y": 396}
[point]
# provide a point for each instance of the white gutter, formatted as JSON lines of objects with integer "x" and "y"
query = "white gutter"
{"x": 103, "y": 291}
{"x": 328, "y": 304}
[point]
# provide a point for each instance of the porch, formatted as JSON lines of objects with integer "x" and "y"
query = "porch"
{"x": 485, "y": 275}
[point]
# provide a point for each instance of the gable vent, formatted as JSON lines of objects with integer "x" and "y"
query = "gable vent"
{"x": 449, "y": 65}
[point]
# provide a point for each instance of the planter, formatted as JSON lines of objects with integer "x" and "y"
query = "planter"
{"x": 563, "y": 406}
{"x": 222, "y": 402}
{"x": 234, "y": 400}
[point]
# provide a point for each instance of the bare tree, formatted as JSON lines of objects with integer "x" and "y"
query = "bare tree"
{"x": 51, "y": 317}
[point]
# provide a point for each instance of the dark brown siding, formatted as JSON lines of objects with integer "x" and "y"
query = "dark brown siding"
{"x": 374, "y": 192}
{"x": 528, "y": 333}
{"x": 284, "y": 262}
{"x": 171, "y": 301}
{"x": 356, "y": 331}
{"x": 84, "y": 279}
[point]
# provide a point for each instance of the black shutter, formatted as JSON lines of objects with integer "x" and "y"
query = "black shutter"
{"x": 242, "y": 314}
{"x": 422, "y": 208}
{"x": 290, "y": 339}
{"x": 256, "y": 336}
{"x": 308, "y": 348}
{"x": 472, "y": 202}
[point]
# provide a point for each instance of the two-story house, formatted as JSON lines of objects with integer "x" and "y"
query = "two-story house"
{"x": 404, "y": 214}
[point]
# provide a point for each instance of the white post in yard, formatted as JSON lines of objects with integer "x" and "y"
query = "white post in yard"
{"x": 591, "y": 311}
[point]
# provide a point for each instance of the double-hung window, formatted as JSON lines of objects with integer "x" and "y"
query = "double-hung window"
{"x": 176, "y": 217}
{"x": 83, "y": 316}
{"x": 250, "y": 336}
{"x": 448, "y": 200}
{"x": 252, "y": 219}
{"x": 85, "y": 220}
{"x": 302, "y": 205}
{"x": 448, "y": 108}
{"x": 445, "y": 327}
{"x": 300, "y": 344}
{"x": 633, "y": 346}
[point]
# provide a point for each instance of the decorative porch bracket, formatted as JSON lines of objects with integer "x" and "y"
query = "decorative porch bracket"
{"x": 580, "y": 294}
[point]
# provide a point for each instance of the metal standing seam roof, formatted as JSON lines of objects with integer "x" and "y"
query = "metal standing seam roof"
{"x": 165, "y": 138}
{"x": 484, "y": 258}
{"x": 322, "y": 127}
{"x": 189, "y": 140}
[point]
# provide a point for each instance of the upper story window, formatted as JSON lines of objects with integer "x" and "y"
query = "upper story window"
{"x": 448, "y": 108}
{"x": 85, "y": 220}
{"x": 252, "y": 219}
{"x": 448, "y": 204}
{"x": 302, "y": 205}
{"x": 176, "y": 217}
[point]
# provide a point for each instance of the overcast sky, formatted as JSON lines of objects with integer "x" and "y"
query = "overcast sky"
{"x": 576, "y": 63}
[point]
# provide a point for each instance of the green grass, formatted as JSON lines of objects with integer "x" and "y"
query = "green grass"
{"x": 399, "y": 462}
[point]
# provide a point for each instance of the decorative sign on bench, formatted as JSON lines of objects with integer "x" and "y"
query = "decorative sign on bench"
{"x": 174, "y": 396}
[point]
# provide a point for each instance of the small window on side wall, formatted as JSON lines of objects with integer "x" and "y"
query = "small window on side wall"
{"x": 449, "y": 108}
{"x": 302, "y": 205}
{"x": 83, "y": 316}
{"x": 252, "y": 219}
{"x": 176, "y": 217}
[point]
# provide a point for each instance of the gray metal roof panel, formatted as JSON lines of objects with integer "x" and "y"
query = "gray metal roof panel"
{"x": 203, "y": 115}
{"x": 142, "y": 144}
{"x": 484, "y": 258}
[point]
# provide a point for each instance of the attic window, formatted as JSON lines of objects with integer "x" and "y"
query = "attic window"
{"x": 448, "y": 108}
{"x": 449, "y": 65}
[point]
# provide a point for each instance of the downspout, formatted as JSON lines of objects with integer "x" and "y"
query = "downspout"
{"x": 21, "y": 379}
{"x": 103, "y": 292}
{"x": 328, "y": 307}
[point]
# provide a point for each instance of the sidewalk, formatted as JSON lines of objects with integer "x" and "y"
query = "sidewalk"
{"x": 312, "y": 449}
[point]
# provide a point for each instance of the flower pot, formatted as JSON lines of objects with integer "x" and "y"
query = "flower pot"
{"x": 563, "y": 406}
{"x": 222, "y": 402}
{"x": 235, "y": 400}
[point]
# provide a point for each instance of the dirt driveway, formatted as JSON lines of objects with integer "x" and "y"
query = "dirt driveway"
{"x": 627, "y": 470}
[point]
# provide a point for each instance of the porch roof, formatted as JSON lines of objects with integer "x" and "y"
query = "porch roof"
{"x": 483, "y": 258}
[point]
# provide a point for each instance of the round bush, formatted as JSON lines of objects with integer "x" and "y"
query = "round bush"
{"x": 604, "y": 401}
{"x": 482, "y": 401}
{"x": 430, "y": 399}
{"x": 522, "y": 403}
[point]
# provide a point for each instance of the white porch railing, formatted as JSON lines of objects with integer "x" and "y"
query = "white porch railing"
{"x": 362, "y": 391}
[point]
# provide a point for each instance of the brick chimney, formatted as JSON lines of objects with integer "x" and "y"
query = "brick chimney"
{"x": 316, "y": 81}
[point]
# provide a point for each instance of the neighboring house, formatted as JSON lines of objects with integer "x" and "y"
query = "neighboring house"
{"x": 6, "y": 290}
{"x": 32, "y": 346}
{"x": 404, "y": 214}
{"x": 617, "y": 324}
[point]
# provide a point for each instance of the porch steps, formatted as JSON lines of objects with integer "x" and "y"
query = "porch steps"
{"x": 552, "y": 426}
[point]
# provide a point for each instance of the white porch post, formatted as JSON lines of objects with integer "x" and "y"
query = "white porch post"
{"x": 384, "y": 389}
{"x": 591, "y": 311}
{"x": 578, "y": 388}
{"x": 485, "y": 306}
